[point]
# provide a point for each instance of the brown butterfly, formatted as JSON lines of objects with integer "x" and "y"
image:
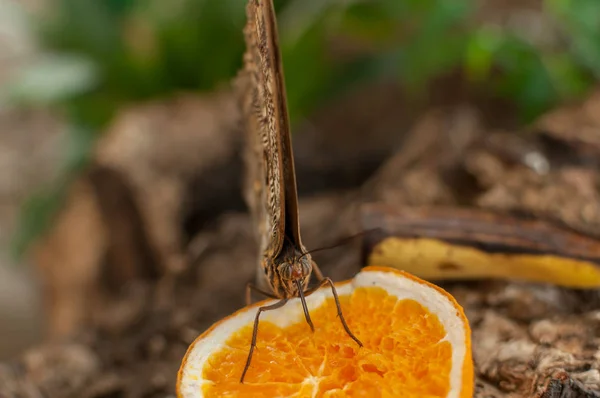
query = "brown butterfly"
{"x": 285, "y": 267}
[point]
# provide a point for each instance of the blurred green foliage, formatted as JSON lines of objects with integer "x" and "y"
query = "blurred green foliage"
{"x": 102, "y": 55}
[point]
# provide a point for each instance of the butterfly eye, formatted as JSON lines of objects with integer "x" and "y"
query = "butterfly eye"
{"x": 306, "y": 265}
{"x": 285, "y": 270}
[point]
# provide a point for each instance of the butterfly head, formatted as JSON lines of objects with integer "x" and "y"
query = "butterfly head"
{"x": 295, "y": 268}
{"x": 294, "y": 273}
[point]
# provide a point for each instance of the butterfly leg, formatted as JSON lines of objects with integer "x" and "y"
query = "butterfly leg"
{"x": 278, "y": 304}
{"x": 328, "y": 281}
{"x": 250, "y": 287}
{"x": 318, "y": 273}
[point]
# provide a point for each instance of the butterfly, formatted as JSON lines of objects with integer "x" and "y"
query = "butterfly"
{"x": 284, "y": 266}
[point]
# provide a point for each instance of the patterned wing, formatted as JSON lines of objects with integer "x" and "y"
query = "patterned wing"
{"x": 270, "y": 189}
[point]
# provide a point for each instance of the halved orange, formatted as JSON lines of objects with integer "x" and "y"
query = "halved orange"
{"x": 416, "y": 340}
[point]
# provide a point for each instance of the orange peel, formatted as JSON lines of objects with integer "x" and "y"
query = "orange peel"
{"x": 417, "y": 343}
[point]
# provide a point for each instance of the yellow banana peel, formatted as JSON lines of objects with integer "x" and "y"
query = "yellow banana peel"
{"x": 454, "y": 243}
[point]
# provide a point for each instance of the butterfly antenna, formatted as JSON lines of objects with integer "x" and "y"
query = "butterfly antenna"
{"x": 341, "y": 241}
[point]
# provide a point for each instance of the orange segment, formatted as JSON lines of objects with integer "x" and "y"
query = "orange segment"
{"x": 416, "y": 344}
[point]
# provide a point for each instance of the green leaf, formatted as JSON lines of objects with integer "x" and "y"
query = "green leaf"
{"x": 51, "y": 79}
{"x": 90, "y": 26}
{"x": 580, "y": 21}
{"x": 37, "y": 213}
{"x": 480, "y": 52}
{"x": 36, "y": 216}
{"x": 369, "y": 21}
{"x": 525, "y": 78}
{"x": 569, "y": 79}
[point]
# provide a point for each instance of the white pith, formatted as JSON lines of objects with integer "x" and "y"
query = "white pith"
{"x": 393, "y": 284}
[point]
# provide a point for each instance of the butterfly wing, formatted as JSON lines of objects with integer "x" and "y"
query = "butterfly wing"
{"x": 270, "y": 189}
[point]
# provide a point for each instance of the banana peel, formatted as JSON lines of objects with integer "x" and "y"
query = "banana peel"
{"x": 461, "y": 244}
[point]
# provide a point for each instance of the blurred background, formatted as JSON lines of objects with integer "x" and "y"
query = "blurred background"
{"x": 140, "y": 88}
